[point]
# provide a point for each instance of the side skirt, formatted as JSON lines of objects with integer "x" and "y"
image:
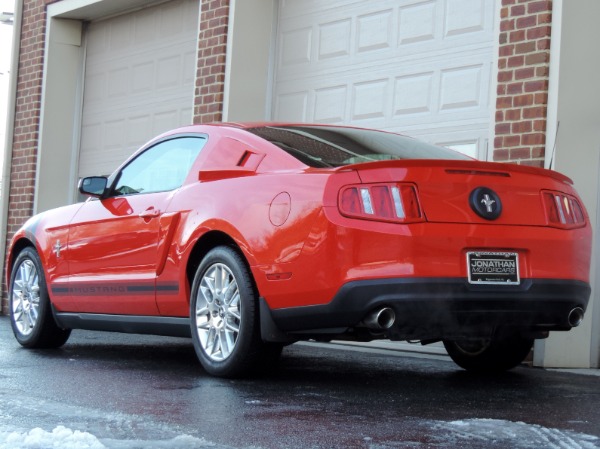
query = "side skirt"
{"x": 129, "y": 324}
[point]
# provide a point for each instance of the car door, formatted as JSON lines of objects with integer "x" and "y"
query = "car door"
{"x": 112, "y": 247}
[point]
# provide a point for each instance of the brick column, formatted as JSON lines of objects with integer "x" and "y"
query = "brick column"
{"x": 27, "y": 117}
{"x": 523, "y": 69}
{"x": 212, "y": 53}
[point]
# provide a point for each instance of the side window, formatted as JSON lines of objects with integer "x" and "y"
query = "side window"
{"x": 160, "y": 168}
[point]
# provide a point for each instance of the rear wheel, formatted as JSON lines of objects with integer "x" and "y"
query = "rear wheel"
{"x": 489, "y": 355}
{"x": 30, "y": 311}
{"x": 224, "y": 317}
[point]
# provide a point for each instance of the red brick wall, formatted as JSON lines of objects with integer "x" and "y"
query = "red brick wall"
{"x": 212, "y": 51}
{"x": 27, "y": 114}
{"x": 523, "y": 68}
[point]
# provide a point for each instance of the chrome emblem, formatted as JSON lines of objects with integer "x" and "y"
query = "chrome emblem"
{"x": 488, "y": 203}
{"x": 485, "y": 203}
{"x": 57, "y": 248}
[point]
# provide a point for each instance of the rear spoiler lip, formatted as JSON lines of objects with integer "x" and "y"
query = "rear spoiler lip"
{"x": 497, "y": 167}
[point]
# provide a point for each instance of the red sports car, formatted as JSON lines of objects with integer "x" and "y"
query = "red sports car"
{"x": 251, "y": 237}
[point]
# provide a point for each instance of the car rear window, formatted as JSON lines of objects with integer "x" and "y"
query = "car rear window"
{"x": 332, "y": 146}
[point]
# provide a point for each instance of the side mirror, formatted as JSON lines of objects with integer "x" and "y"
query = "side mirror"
{"x": 93, "y": 186}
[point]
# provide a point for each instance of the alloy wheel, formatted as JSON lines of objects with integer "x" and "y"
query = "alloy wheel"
{"x": 26, "y": 297}
{"x": 218, "y": 312}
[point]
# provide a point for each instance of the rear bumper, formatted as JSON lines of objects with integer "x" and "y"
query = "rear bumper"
{"x": 436, "y": 308}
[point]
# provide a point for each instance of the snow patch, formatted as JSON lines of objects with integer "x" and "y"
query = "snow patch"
{"x": 65, "y": 438}
{"x": 518, "y": 433}
{"x": 180, "y": 442}
{"x": 60, "y": 437}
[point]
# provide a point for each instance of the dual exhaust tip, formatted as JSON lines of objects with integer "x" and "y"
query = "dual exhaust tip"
{"x": 385, "y": 317}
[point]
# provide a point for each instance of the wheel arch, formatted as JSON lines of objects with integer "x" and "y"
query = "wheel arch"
{"x": 213, "y": 239}
{"x": 17, "y": 246}
{"x": 46, "y": 331}
{"x": 207, "y": 242}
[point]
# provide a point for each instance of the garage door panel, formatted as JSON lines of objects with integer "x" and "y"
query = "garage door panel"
{"x": 139, "y": 81}
{"x": 144, "y": 24}
{"x": 295, "y": 48}
{"x": 374, "y": 31}
{"x": 171, "y": 20}
{"x": 142, "y": 78}
{"x": 168, "y": 72}
{"x": 334, "y": 39}
{"x": 433, "y": 95}
{"x": 369, "y": 99}
{"x": 121, "y": 33}
{"x": 139, "y": 128}
{"x": 397, "y": 65}
{"x": 295, "y": 8}
{"x": 371, "y": 31}
{"x": 413, "y": 94}
{"x": 137, "y": 73}
{"x": 330, "y": 104}
{"x": 461, "y": 88}
{"x": 417, "y": 23}
{"x": 464, "y": 17}
{"x": 292, "y": 106}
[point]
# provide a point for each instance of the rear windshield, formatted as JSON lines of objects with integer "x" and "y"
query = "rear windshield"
{"x": 331, "y": 146}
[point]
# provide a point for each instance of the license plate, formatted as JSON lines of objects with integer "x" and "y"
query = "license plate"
{"x": 498, "y": 268}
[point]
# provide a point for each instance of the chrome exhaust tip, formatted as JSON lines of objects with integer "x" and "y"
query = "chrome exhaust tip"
{"x": 575, "y": 317}
{"x": 383, "y": 318}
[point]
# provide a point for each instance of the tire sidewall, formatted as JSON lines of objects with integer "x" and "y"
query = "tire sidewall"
{"x": 496, "y": 355}
{"x": 34, "y": 337}
{"x": 239, "y": 359}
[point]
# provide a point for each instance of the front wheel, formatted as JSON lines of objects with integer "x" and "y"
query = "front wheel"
{"x": 30, "y": 311}
{"x": 489, "y": 355}
{"x": 224, "y": 317}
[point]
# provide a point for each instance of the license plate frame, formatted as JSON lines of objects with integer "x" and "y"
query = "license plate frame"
{"x": 493, "y": 268}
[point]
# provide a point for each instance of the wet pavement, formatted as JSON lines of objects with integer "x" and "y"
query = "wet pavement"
{"x": 132, "y": 391}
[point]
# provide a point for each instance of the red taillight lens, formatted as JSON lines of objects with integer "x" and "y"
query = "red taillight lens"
{"x": 384, "y": 202}
{"x": 562, "y": 210}
{"x": 349, "y": 201}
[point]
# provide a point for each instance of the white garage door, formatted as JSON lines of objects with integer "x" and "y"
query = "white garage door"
{"x": 419, "y": 67}
{"x": 139, "y": 81}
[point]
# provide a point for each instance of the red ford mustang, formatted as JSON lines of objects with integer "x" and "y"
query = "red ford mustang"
{"x": 251, "y": 237}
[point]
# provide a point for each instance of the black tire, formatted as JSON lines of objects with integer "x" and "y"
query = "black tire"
{"x": 31, "y": 315}
{"x": 489, "y": 355}
{"x": 224, "y": 318}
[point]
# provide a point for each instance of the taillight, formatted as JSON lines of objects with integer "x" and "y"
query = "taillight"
{"x": 562, "y": 210}
{"x": 384, "y": 202}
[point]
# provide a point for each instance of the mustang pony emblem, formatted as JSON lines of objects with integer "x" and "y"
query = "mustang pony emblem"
{"x": 56, "y": 249}
{"x": 485, "y": 203}
{"x": 488, "y": 203}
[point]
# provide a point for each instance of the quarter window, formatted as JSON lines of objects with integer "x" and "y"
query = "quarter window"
{"x": 160, "y": 168}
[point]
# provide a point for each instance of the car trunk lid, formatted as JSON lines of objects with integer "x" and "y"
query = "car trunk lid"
{"x": 471, "y": 191}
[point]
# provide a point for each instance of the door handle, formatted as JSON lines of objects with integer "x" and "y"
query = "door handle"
{"x": 149, "y": 213}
